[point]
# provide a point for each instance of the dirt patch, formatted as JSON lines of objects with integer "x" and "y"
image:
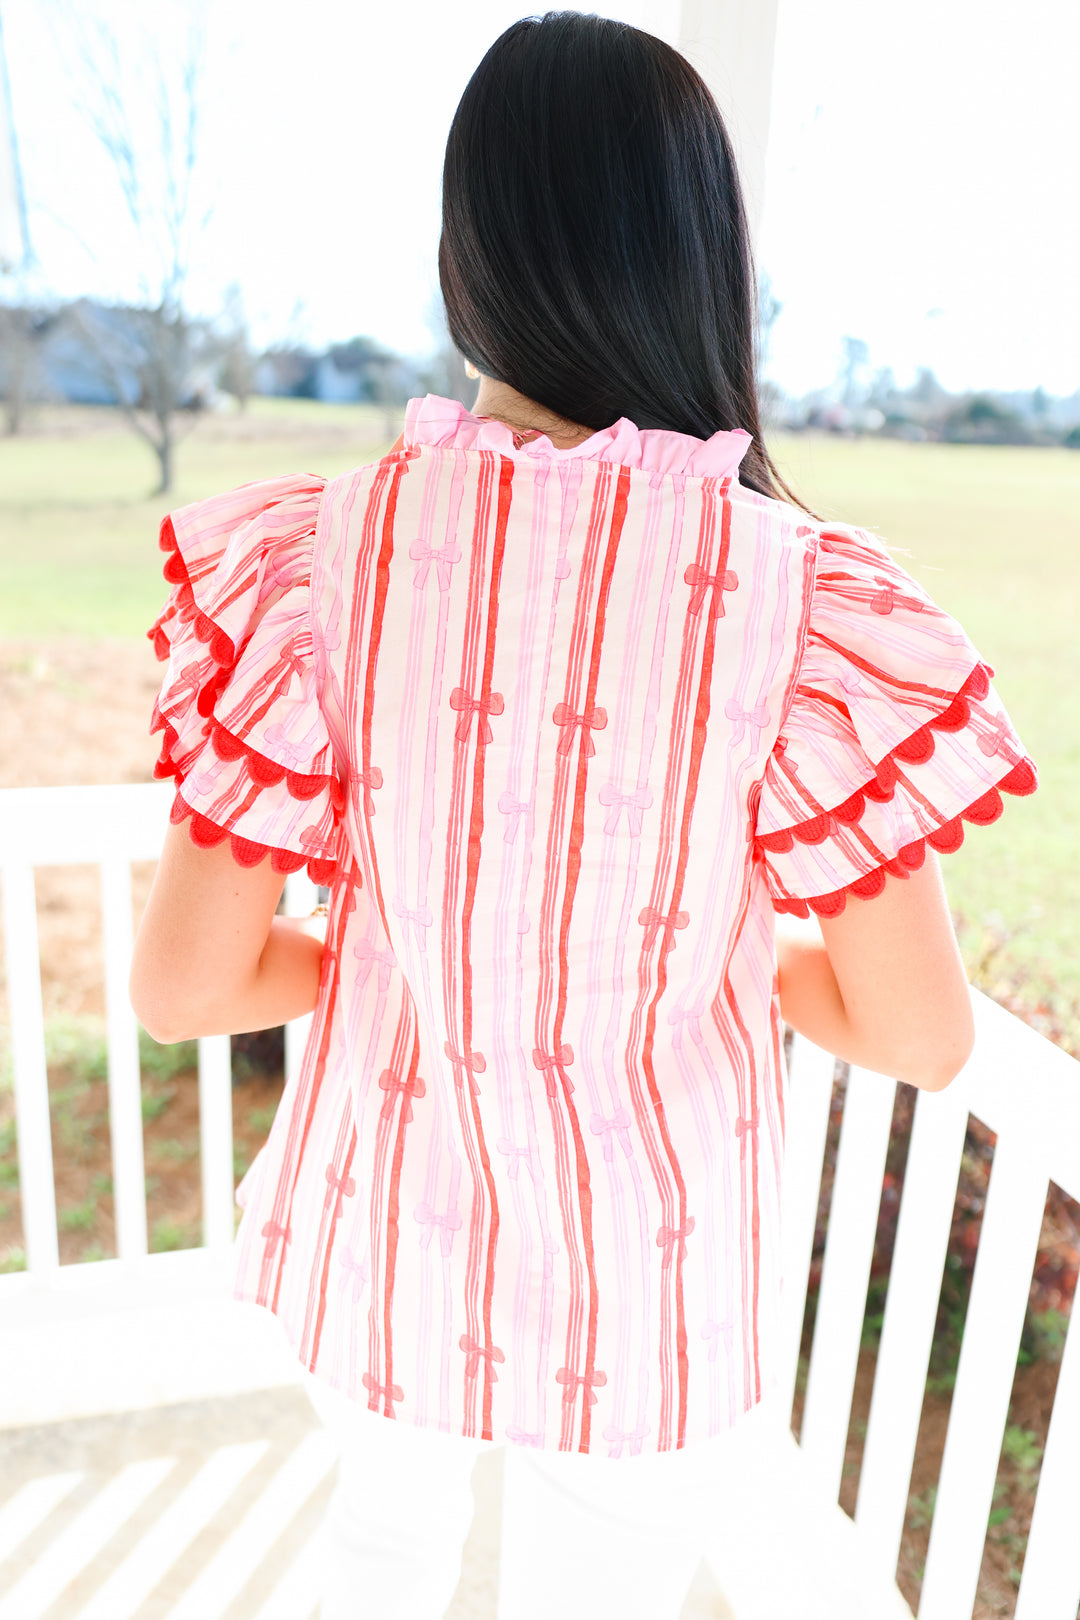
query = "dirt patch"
{"x": 79, "y": 1111}
{"x": 74, "y": 712}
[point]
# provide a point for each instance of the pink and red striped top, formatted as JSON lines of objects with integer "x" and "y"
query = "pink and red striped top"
{"x": 561, "y": 729}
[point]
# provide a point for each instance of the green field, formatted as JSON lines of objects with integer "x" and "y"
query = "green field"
{"x": 994, "y": 534}
{"x": 78, "y": 531}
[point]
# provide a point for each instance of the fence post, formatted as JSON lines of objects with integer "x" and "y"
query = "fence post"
{"x": 36, "y": 1186}
{"x": 809, "y": 1095}
{"x": 845, "y": 1274}
{"x": 125, "y": 1090}
{"x": 1008, "y": 1242}
{"x": 216, "y": 1141}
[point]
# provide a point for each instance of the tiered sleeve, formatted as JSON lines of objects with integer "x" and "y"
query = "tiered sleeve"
{"x": 244, "y": 735}
{"x": 893, "y": 738}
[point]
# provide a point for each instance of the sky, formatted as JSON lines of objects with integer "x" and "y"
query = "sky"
{"x": 920, "y": 189}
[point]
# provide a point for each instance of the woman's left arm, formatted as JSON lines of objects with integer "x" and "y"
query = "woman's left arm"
{"x": 211, "y": 957}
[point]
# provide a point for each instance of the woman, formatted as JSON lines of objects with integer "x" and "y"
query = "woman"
{"x": 565, "y": 700}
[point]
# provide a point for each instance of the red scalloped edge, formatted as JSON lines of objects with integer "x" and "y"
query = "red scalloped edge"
{"x": 263, "y": 772}
{"x": 207, "y": 834}
{"x": 219, "y": 644}
{"x": 945, "y": 839}
{"x": 914, "y": 750}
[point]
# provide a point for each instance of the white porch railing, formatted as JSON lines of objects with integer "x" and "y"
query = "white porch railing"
{"x": 181, "y": 1335}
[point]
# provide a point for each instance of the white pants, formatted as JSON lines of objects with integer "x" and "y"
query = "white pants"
{"x": 588, "y": 1537}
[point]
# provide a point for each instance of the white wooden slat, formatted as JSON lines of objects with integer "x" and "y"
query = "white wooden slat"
{"x": 849, "y": 1247}
{"x": 125, "y": 1093}
{"x": 1046, "y": 1106}
{"x": 301, "y": 897}
{"x": 73, "y": 825}
{"x": 808, "y": 1096}
{"x": 36, "y": 1184}
{"x": 1050, "y": 1586}
{"x": 216, "y": 1141}
{"x": 918, "y": 1263}
{"x": 1012, "y": 1222}
{"x": 296, "y": 1039}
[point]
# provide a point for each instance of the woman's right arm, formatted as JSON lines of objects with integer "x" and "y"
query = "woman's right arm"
{"x": 882, "y": 985}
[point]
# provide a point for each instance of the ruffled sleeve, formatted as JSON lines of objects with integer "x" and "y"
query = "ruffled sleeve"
{"x": 244, "y": 735}
{"x": 893, "y": 738}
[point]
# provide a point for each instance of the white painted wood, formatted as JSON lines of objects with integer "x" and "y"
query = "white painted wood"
{"x": 125, "y": 1090}
{"x": 220, "y": 1581}
{"x": 127, "y": 1336}
{"x": 1050, "y": 1585}
{"x": 216, "y": 1141}
{"x": 30, "y": 1506}
{"x": 292, "y": 1597}
{"x": 65, "y": 1558}
{"x": 732, "y": 44}
{"x": 296, "y": 1039}
{"x": 172, "y": 1533}
{"x": 1017, "y": 1080}
{"x": 809, "y": 1094}
{"x": 69, "y": 825}
{"x": 178, "y": 1323}
{"x": 1000, "y": 1287}
{"x": 918, "y": 1263}
{"x": 36, "y": 1184}
{"x": 301, "y": 895}
{"x": 849, "y": 1247}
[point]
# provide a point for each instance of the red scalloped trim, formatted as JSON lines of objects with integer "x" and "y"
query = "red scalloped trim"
{"x": 219, "y": 644}
{"x": 267, "y": 773}
{"x": 263, "y": 772}
{"x": 946, "y": 839}
{"x": 914, "y": 750}
{"x": 207, "y": 834}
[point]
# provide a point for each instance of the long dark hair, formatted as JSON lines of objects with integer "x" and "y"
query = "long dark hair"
{"x": 595, "y": 253}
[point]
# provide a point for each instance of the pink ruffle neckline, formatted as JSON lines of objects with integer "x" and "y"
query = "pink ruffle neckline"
{"x": 445, "y": 423}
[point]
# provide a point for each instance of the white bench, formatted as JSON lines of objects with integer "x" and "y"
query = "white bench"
{"x": 158, "y": 1328}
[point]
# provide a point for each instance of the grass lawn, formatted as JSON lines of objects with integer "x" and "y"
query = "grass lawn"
{"x": 992, "y": 533}
{"x": 78, "y": 527}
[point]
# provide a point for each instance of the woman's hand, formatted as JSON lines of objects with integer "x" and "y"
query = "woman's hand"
{"x": 882, "y": 985}
{"x": 211, "y": 958}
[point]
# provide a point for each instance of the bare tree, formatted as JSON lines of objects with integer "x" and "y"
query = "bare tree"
{"x": 237, "y": 361}
{"x": 153, "y": 358}
{"x": 22, "y": 374}
{"x": 852, "y": 375}
{"x": 445, "y": 372}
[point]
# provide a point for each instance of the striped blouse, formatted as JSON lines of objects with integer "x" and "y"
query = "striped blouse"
{"x": 561, "y": 730}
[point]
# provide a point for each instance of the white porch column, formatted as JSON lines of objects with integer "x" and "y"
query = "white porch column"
{"x": 732, "y": 45}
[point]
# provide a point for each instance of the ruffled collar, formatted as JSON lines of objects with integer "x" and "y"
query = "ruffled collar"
{"x": 445, "y": 424}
